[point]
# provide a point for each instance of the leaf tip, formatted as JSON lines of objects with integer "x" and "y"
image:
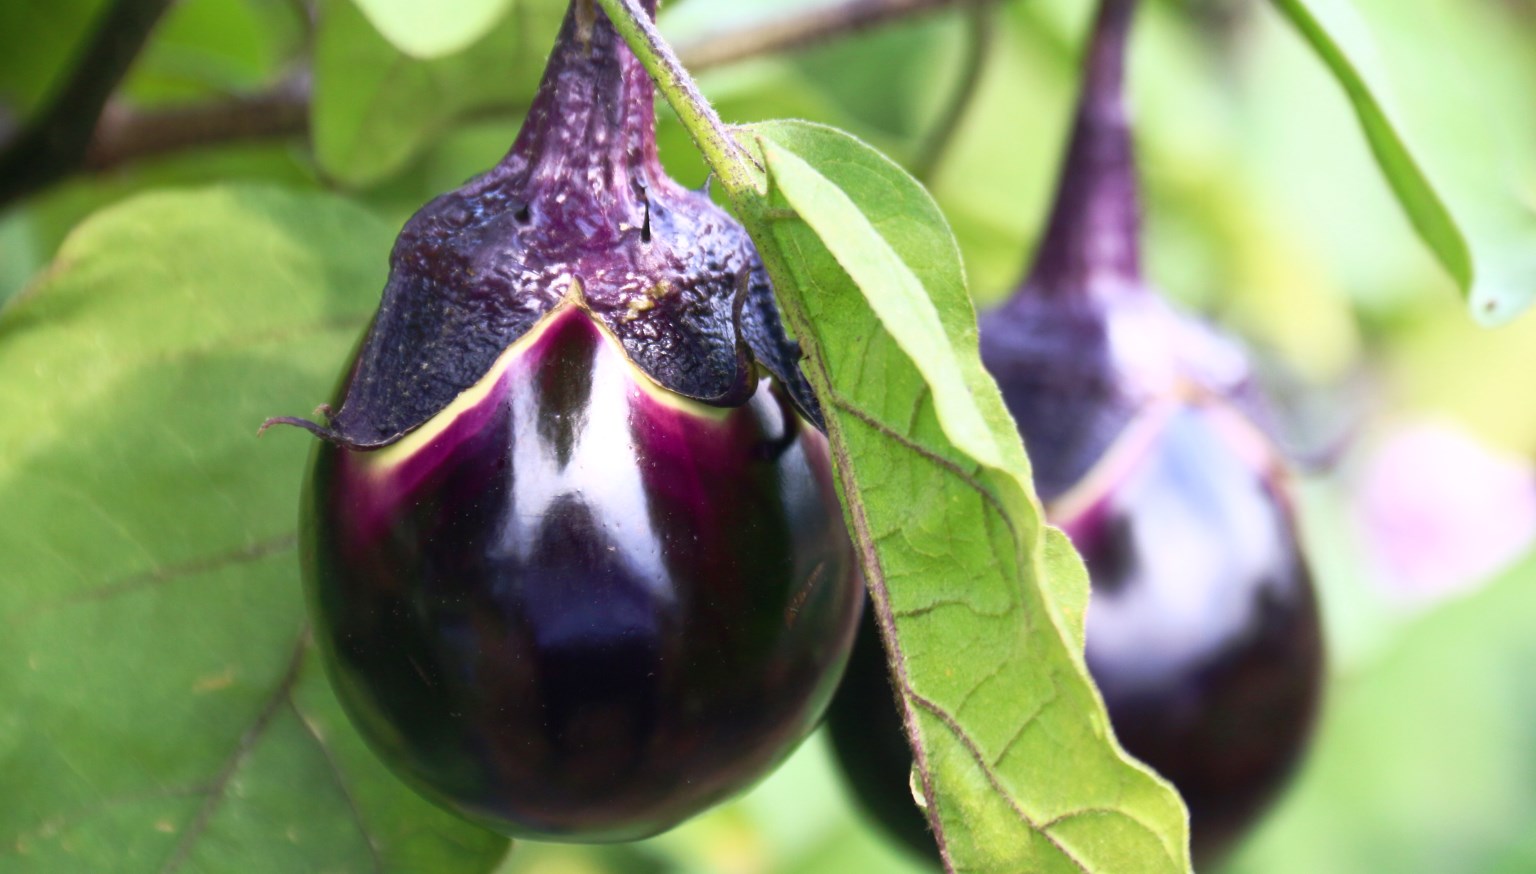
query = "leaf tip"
{"x": 1493, "y": 308}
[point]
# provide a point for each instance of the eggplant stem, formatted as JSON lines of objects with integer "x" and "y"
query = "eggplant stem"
{"x": 1094, "y": 230}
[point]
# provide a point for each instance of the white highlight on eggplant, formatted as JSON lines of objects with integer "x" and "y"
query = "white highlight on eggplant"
{"x": 602, "y": 462}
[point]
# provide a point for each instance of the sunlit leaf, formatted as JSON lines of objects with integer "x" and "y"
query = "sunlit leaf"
{"x": 986, "y": 602}
{"x": 895, "y": 293}
{"x": 376, "y": 108}
{"x": 431, "y": 30}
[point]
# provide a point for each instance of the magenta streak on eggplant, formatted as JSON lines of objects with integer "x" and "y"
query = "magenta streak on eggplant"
{"x": 402, "y": 467}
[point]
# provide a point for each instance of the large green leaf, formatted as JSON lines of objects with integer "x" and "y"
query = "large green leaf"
{"x": 376, "y": 108}
{"x": 984, "y": 601}
{"x": 431, "y": 30}
{"x": 1483, "y": 239}
{"x": 163, "y": 708}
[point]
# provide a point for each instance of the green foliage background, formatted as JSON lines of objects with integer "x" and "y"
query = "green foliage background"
{"x": 1265, "y": 210}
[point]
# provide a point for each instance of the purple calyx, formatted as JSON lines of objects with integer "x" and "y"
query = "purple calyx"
{"x": 579, "y": 211}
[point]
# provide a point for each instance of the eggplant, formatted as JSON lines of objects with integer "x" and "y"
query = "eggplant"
{"x": 570, "y": 540}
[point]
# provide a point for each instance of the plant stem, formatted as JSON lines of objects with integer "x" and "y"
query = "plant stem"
{"x": 807, "y": 29}
{"x": 124, "y": 135}
{"x": 721, "y": 151}
{"x": 56, "y": 142}
{"x": 1095, "y": 226}
{"x": 981, "y": 36}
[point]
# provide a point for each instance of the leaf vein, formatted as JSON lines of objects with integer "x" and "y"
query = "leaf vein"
{"x": 941, "y": 603}
{"x": 918, "y": 397}
{"x": 247, "y": 554}
{"x": 1111, "y": 812}
{"x": 219, "y": 785}
{"x": 375, "y": 856}
{"x": 852, "y": 409}
{"x": 969, "y": 745}
{"x": 1025, "y": 723}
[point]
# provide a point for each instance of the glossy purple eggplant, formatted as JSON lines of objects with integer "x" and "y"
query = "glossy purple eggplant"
{"x": 571, "y": 543}
{"x": 1202, "y": 628}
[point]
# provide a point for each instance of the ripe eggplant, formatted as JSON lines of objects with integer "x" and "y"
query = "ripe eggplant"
{"x": 571, "y": 544}
{"x": 1202, "y": 628}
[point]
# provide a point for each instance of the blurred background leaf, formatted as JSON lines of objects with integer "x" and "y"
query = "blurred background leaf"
{"x": 211, "y": 48}
{"x": 1426, "y": 761}
{"x": 1470, "y": 215}
{"x": 433, "y": 30}
{"x": 376, "y": 108}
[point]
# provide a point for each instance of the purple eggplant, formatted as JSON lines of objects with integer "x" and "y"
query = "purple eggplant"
{"x": 1202, "y": 628}
{"x": 571, "y": 542}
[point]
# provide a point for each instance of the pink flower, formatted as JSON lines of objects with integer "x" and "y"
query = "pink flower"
{"x": 1441, "y": 512}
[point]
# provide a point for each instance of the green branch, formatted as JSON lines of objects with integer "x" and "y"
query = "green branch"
{"x": 721, "y": 151}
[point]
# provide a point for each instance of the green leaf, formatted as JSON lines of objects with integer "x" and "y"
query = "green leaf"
{"x": 984, "y": 600}
{"x": 18, "y": 255}
{"x": 376, "y": 108}
{"x": 431, "y": 30}
{"x": 1486, "y": 252}
{"x": 208, "y": 49}
{"x": 39, "y": 40}
{"x": 164, "y": 709}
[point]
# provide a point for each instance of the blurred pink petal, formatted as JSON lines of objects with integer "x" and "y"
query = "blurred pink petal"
{"x": 1441, "y": 511}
